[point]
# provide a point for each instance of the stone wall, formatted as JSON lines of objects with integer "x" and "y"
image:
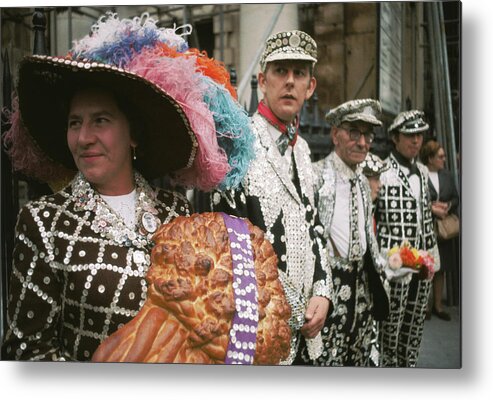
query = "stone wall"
{"x": 346, "y": 34}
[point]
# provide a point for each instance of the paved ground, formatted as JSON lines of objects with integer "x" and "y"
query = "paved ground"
{"x": 441, "y": 344}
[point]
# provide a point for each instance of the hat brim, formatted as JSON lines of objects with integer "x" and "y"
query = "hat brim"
{"x": 289, "y": 56}
{"x": 370, "y": 119}
{"x": 166, "y": 143}
{"x": 413, "y": 131}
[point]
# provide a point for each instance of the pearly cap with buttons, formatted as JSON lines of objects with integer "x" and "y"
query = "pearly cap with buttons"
{"x": 366, "y": 110}
{"x": 373, "y": 165}
{"x": 290, "y": 45}
{"x": 409, "y": 122}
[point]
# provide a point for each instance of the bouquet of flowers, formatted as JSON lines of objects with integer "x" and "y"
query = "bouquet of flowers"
{"x": 406, "y": 256}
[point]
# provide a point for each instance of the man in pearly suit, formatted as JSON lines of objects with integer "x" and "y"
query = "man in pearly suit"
{"x": 403, "y": 213}
{"x": 277, "y": 194}
{"x": 345, "y": 208}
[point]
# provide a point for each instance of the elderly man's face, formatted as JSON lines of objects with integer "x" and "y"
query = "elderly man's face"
{"x": 98, "y": 136}
{"x": 286, "y": 84}
{"x": 351, "y": 150}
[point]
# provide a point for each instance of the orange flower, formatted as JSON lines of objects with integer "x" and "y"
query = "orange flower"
{"x": 408, "y": 257}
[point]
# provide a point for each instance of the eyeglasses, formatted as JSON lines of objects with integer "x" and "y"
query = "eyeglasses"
{"x": 355, "y": 134}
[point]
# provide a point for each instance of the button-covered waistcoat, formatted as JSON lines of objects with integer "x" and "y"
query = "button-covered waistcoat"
{"x": 401, "y": 216}
{"x": 285, "y": 211}
{"x": 326, "y": 172}
{"x": 79, "y": 271}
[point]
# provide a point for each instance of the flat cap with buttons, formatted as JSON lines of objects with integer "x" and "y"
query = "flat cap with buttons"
{"x": 289, "y": 45}
{"x": 373, "y": 165}
{"x": 366, "y": 110}
{"x": 409, "y": 123}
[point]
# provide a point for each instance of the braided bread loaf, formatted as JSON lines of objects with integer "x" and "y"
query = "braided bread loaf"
{"x": 189, "y": 308}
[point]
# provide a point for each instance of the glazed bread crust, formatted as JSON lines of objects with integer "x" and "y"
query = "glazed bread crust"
{"x": 188, "y": 313}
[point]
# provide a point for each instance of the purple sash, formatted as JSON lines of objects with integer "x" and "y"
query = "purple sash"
{"x": 243, "y": 333}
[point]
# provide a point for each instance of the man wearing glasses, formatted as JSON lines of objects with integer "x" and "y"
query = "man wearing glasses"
{"x": 345, "y": 209}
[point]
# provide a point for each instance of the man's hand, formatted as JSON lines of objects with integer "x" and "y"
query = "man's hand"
{"x": 315, "y": 316}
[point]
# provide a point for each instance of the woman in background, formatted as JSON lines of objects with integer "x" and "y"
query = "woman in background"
{"x": 445, "y": 198}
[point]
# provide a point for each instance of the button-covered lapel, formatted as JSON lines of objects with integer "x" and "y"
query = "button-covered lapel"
{"x": 401, "y": 176}
{"x": 278, "y": 164}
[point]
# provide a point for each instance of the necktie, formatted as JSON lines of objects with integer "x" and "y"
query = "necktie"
{"x": 413, "y": 168}
{"x": 354, "y": 242}
{"x": 285, "y": 139}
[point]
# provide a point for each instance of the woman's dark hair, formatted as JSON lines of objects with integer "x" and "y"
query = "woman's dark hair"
{"x": 134, "y": 120}
{"x": 429, "y": 150}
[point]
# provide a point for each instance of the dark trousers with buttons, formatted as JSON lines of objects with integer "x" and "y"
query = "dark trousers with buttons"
{"x": 349, "y": 334}
{"x": 400, "y": 334}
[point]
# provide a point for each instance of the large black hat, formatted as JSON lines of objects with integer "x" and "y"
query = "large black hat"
{"x": 189, "y": 122}
{"x": 167, "y": 142}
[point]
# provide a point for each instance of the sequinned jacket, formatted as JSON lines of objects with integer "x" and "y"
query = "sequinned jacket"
{"x": 79, "y": 271}
{"x": 285, "y": 211}
{"x": 401, "y": 216}
{"x": 326, "y": 172}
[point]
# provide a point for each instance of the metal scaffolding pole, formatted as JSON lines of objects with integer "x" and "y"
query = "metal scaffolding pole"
{"x": 221, "y": 34}
{"x": 448, "y": 98}
{"x": 441, "y": 85}
{"x": 435, "y": 74}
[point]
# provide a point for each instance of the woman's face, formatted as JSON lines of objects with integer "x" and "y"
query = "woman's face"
{"x": 98, "y": 136}
{"x": 437, "y": 162}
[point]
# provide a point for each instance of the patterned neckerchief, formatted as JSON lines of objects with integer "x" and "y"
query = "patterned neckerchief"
{"x": 289, "y": 131}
